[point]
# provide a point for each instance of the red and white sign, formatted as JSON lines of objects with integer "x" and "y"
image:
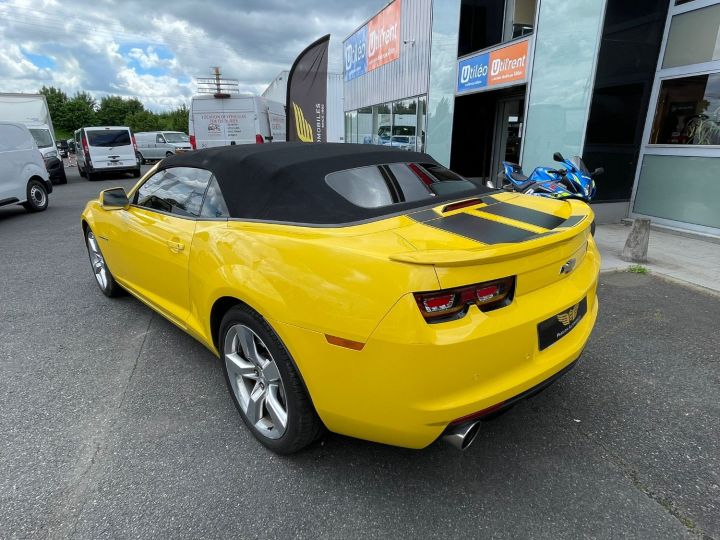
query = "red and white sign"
{"x": 383, "y": 40}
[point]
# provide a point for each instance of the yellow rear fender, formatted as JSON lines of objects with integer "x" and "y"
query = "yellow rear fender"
{"x": 321, "y": 283}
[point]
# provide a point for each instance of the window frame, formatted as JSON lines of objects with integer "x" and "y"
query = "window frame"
{"x": 133, "y": 196}
{"x": 692, "y": 150}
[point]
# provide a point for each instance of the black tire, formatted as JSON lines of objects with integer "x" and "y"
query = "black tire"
{"x": 137, "y": 173}
{"x": 141, "y": 158}
{"x": 37, "y": 196}
{"x": 168, "y": 154}
{"x": 81, "y": 171}
{"x": 109, "y": 286}
{"x": 303, "y": 424}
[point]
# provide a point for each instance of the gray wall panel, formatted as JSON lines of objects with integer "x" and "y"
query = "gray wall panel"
{"x": 408, "y": 75}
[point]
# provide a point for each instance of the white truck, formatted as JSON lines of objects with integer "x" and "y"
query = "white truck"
{"x": 32, "y": 111}
{"x": 234, "y": 119}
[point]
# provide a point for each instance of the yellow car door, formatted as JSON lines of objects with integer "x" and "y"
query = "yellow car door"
{"x": 155, "y": 237}
{"x": 156, "y": 249}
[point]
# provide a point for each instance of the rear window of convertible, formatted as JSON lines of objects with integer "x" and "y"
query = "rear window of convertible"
{"x": 376, "y": 186}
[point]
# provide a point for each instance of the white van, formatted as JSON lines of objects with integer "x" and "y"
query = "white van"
{"x": 161, "y": 144}
{"x": 106, "y": 149}
{"x": 23, "y": 177}
{"x": 234, "y": 119}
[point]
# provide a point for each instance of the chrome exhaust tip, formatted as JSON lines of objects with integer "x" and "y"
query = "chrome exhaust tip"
{"x": 461, "y": 436}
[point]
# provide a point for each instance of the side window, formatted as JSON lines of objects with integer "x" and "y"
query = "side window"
{"x": 178, "y": 190}
{"x": 159, "y": 138}
{"x": 214, "y": 205}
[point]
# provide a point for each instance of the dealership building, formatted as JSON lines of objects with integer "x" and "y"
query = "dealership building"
{"x": 633, "y": 87}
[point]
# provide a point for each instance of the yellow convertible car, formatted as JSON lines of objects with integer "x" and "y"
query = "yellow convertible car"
{"x": 363, "y": 289}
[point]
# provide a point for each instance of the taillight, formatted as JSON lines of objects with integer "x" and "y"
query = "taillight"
{"x": 259, "y": 139}
{"x": 192, "y": 142}
{"x": 85, "y": 145}
{"x": 134, "y": 143}
{"x": 449, "y": 303}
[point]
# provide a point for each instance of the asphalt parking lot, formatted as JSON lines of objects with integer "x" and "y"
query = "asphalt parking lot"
{"x": 116, "y": 424}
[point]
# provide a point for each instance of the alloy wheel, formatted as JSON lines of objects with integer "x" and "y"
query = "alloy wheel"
{"x": 256, "y": 381}
{"x": 97, "y": 261}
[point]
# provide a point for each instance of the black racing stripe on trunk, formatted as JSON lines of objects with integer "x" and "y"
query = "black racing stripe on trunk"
{"x": 572, "y": 220}
{"x": 526, "y": 215}
{"x": 424, "y": 215}
{"x": 483, "y": 230}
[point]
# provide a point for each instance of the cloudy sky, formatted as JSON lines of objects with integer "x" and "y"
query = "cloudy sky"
{"x": 127, "y": 48}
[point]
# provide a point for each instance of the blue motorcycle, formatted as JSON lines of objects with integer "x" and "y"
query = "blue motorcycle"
{"x": 573, "y": 181}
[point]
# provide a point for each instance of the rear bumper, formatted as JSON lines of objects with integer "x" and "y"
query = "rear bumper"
{"x": 113, "y": 169}
{"x": 412, "y": 379}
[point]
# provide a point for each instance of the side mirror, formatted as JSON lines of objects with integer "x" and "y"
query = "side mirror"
{"x": 557, "y": 156}
{"x": 114, "y": 199}
{"x": 598, "y": 171}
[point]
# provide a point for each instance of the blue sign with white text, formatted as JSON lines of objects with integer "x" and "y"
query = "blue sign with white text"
{"x": 355, "y": 54}
{"x": 473, "y": 73}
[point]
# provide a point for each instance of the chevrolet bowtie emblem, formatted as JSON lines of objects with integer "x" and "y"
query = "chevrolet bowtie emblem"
{"x": 569, "y": 316}
{"x": 568, "y": 267}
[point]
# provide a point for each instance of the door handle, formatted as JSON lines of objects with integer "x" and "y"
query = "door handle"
{"x": 175, "y": 247}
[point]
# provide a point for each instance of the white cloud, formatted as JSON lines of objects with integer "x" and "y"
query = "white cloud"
{"x": 120, "y": 47}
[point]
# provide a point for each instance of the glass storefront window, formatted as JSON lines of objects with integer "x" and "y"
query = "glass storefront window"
{"x": 679, "y": 188}
{"x": 694, "y": 37}
{"x": 559, "y": 96}
{"x": 481, "y": 25}
{"x": 399, "y": 123}
{"x": 365, "y": 125}
{"x": 421, "y": 111}
{"x": 441, "y": 94}
{"x": 404, "y": 125}
{"x": 523, "y": 18}
{"x": 383, "y": 124}
{"x": 351, "y": 127}
{"x": 688, "y": 111}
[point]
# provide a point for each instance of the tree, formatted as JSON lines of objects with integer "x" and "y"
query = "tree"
{"x": 114, "y": 109}
{"x": 175, "y": 120}
{"x": 56, "y": 99}
{"x": 77, "y": 112}
{"x": 143, "y": 121}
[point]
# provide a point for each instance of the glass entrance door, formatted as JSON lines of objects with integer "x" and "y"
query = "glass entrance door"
{"x": 508, "y": 133}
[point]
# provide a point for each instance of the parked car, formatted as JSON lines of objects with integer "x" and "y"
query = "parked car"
{"x": 154, "y": 145}
{"x": 368, "y": 290}
{"x": 71, "y": 145}
{"x": 403, "y": 142}
{"x": 106, "y": 149}
{"x": 23, "y": 177}
{"x": 62, "y": 148}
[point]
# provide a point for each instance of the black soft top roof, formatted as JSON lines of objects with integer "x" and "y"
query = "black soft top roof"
{"x": 286, "y": 181}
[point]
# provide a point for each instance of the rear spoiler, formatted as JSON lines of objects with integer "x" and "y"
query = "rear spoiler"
{"x": 496, "y": 252}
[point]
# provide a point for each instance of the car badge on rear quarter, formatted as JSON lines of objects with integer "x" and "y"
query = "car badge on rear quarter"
{"x": 568, "y": 267}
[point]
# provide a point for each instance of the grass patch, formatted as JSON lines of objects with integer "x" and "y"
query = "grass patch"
{"x": 638, "y": 269}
